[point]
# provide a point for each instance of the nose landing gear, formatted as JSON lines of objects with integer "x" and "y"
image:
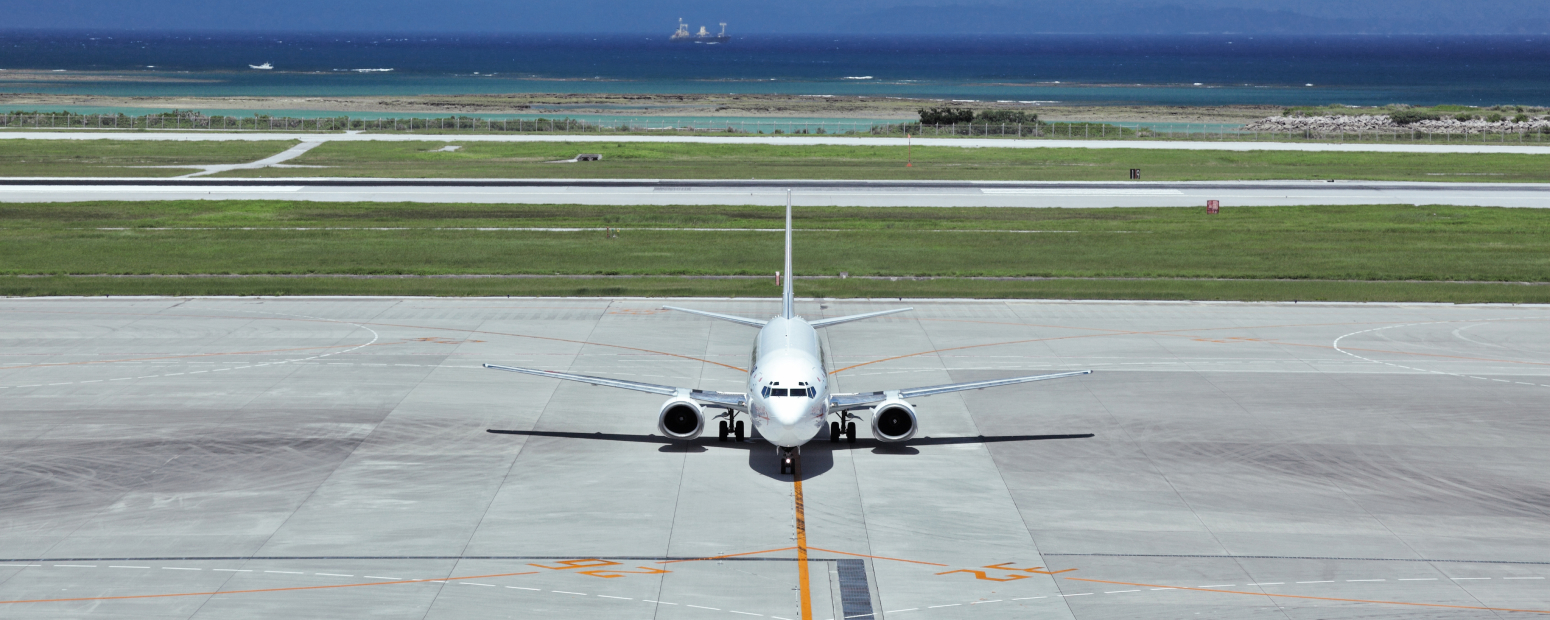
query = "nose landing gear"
{"x": 788, "y": 460}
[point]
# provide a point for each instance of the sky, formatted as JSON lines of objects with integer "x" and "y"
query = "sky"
{"x": 913, "y": 17}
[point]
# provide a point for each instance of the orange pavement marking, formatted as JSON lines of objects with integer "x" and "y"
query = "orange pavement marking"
{"x": 344, "y": 585}
{"x": 1315, "y": 598}
{"x": 450, "y": 329}
{"x": 876, "y": 557}
{"x": 171, "y": 357}
{"x": 1175, "y": 332}
{"x": 729, "y": 555}
{"x": 801, "y": 511}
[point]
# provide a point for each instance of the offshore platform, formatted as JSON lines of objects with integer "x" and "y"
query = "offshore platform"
{"x": 703, "y": 36}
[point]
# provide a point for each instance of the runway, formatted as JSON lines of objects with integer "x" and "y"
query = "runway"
{"x": 329, "y": 457}
{"x": 1492, "y": 146}
{"x": 771, "y": 193}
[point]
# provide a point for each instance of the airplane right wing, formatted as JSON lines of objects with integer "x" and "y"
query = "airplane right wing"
{"x": 846, "y": 401}
{"x": 728, "y": 399}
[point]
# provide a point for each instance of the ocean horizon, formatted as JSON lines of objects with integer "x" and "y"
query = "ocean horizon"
{"x": 1042, "y": 69}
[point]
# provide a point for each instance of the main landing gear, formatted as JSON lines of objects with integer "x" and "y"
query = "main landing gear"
{"x": 788, "y": 460}
{"x": 732, "y": 427}
{"x": 845, "y": 427}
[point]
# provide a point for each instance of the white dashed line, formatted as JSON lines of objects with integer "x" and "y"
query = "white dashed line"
{"x": 699, "y": 607}
{"x": 179, "y": 568}
{"x": 1465, "y": 578}
{"x": 939, "y": 606}
{"x": 731, "y": 611}
{"x": 113, "y": 566}
{"x": 1420, "y": 579}
{"x": 972, "y": 603}
{"x": 900, "y": 611}
{"x": 1118, "y": 592}
{"x": 333, "y": 575}
{"x": 285, "y": 572}
{"x": 1082, "y": 594}
{"x": 1356, "y": 580}
{"x": 487, "y": 585}
{"x": 1267, "y": 583}
{"x": 1522, "y": 577}
{"x": 1220, "y": 585}
{"x": 1029, "y": 598}
{"x": 83, "y": 565}
{"x": 1322, "y": 581}
{"x": 564, "y": 592}
{"x": 607, "y": 596}
{"x": 393, "y": 578}
{"x": 1164, "y": 588}
{"x": 522, "y": 588}
{"x": 658, "y": 602}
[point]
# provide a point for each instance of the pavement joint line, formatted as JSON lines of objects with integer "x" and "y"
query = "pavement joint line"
{"x": 1327, "y": 598}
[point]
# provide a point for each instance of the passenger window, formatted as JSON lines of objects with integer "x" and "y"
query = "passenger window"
{"x": 779, "y": 391}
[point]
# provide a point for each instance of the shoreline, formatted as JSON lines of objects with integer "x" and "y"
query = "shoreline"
{"x": 645, "y": 105}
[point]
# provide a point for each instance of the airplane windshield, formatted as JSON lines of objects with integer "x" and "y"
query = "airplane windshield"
{"x": 778, "y": 392}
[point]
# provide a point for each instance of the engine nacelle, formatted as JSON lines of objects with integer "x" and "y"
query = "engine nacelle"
{"x": 894, "y": 421}
{"x": 681, "y": 419}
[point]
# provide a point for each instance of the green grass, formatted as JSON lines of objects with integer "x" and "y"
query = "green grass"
{"x": 1343, "y": 252}
{"x": 732, "y": 161}
{"x": 118, "y": 158}
{"x": 686, "y": 287}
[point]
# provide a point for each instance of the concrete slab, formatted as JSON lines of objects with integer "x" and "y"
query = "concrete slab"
{"x": 232, "y": 458}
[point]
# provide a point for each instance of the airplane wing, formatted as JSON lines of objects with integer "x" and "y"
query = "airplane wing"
{"x": 725, "y": 317}
{"x": 844, "y": 401}
{"x": 728, "y": 399}
{"x": 854, "y": 317}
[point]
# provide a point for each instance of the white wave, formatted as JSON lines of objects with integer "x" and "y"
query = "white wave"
{"x": 370, "y": 70}
{"x": 859, "y": 77}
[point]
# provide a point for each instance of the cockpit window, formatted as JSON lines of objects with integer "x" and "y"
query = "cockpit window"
{"x": 766, "y": 391}
{"x": 778, "y": 392}
{"x": 812, "y": 392}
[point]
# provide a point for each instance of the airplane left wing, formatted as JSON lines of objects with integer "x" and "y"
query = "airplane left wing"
{"x": 845, "y": 401}
{"x": 728, "y": 399}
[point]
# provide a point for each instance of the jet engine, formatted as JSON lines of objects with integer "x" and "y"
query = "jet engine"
{"x": 681, "y": 419}
{"x": 894, "y": 421}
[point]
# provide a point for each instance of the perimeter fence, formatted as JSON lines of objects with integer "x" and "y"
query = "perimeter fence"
{"x": 182, "y": 121}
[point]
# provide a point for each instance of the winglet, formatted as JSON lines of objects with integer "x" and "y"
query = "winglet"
{"x": 787, "y": 294}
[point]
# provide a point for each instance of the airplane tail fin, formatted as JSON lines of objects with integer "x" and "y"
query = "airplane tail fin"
{"x": 787, "y": 294}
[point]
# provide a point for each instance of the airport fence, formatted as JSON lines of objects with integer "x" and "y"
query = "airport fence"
{"x": 193, "y": 121}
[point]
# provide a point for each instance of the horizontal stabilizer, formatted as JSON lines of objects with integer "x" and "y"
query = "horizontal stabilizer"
{"x": 855, "y": 317}
{"x": 725, "y": 317}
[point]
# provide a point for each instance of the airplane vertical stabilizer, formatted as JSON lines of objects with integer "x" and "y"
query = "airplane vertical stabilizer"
{"x": 787, "y": 294}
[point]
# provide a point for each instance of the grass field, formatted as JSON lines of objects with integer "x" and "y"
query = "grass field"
{"x": 727, "y": 161}
{"x": 1351, "y": 253}
{"x": 120, "y": 158}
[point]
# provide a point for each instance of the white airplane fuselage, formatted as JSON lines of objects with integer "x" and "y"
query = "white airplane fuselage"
{"x": 788, "y": 386}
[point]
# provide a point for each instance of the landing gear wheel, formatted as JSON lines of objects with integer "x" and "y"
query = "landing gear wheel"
{"x": 723, "y": 427}
{"x": 834, "y": 432}
{"x": 786, "y": 464}
{"x": 850, "y": 432}
{"x": 737, "y": 430}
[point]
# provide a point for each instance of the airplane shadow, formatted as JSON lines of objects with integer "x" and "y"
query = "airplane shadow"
{"x": 817, "y": 456}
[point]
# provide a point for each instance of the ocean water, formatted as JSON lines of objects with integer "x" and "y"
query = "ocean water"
{"x": 1166, "y": 70}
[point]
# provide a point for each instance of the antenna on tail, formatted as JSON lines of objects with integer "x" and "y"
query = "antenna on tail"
{"x": 787, "y": 295}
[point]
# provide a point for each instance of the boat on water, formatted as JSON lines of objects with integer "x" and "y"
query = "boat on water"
{"x": 263, "y": 67}
{"x": 703, "y": 36}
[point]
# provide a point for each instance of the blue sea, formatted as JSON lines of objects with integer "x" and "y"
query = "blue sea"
{"x": 1165, "y": 70}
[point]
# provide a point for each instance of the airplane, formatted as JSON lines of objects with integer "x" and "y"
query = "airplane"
{"x": 788, "y": 396}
